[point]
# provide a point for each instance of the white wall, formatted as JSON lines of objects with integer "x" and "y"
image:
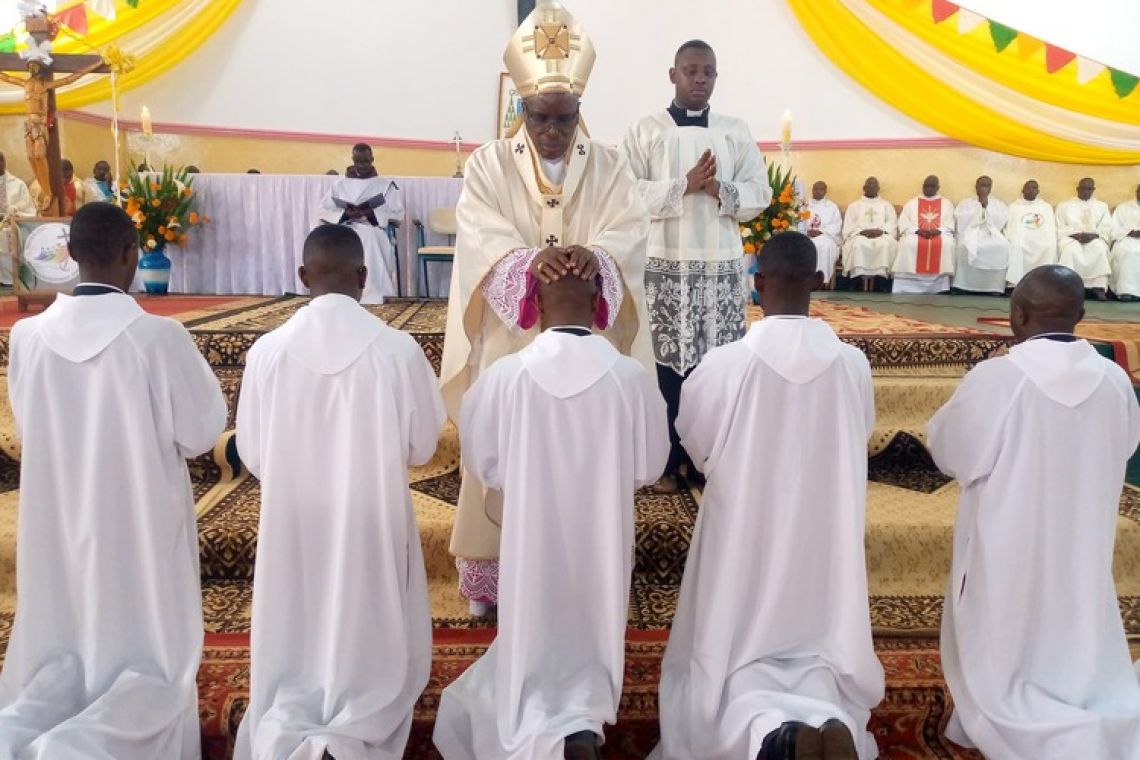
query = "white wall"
{"x": 422, "y": 69}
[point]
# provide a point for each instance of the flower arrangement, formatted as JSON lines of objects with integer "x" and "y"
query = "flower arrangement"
{"x": 161, "y": 206}
{"x": 784, "y": 212}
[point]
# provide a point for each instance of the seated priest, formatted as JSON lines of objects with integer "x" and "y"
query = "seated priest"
{"x": 1032, "y": 233}
{"x": 16, "y": 200}
{"x": 1125, "y": 259}
{"x": 825, "y": 228}
{"x": 366, "y": 202}
{"x": 982, "y": 255}
{"x": 925, "y": 258}
{"x": 1084, "y": 227}
{"x": 74, "y": 189}
{"x": 101, "y": 186}
{"x": 869, "y": 229}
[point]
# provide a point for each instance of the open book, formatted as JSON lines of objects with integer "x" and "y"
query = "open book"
{"x": 361, "y": 193}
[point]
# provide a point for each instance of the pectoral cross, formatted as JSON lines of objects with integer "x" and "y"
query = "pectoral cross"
{"x": 41, "y": 133}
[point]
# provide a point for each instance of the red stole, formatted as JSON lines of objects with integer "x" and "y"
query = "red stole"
{"x": 929, "y": 259}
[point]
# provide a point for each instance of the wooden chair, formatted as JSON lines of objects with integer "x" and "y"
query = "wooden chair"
{"x": 441, "y": 221}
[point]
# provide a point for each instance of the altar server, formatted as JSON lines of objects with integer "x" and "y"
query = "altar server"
{"x": 109, "y": 403}
{"x": 335, "y": 406}
{"x": 779, "y": 634}
{"x": 925, "y": 258}
{"x": 982, "y": 255}
{"x": 367, "y": 202}
{"x": 1032, "y": 233}
{"x": 700, "y": 174}
{"x": 1033, "y": 646}
{"x": 1084, "y": 230}
{"x": 567, "y": 429}
{"x": 825, "y": 228}
{"x": 870, "y": 226}
{"x": 1126, "y": 249}
{"x": 545, "y": 203}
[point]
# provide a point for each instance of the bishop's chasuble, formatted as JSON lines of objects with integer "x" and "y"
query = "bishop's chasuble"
{"x": 924, "y": 265}
{"x": 694, "y": 271}
{"x": 508, "y": 211}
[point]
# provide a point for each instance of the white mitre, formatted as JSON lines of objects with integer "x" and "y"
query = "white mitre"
{"x": 549, "y": 53}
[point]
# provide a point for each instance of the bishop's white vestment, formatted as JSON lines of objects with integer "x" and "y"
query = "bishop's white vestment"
{"x": 567, "y": 429}
{"x": 334, "y": 408}
{"x": 379, "y": 256}
{"x": 510, "y": 209}
{"x": 1032, "y": 234}
{"x": 102, "y": 664}
{"x": 825, "y": 218}
{"x": 864, "y": 256}
{"x": 17, "y": 201}
{"x": 924, "y": 265}
{"x": 766, "y": 631}
{"x": 1126, "y": 250}
{"x": 982, "y": 255}
{"x": 1033, "y": 646}
{"x": 1089, "y": 260}
{"x": 694, "y": 272}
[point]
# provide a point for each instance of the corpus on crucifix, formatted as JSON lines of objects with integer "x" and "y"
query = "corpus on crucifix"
{"x": 41, "y": 137}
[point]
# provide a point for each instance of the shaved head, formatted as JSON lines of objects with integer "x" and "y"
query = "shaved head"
{"x": 104, "y": 242}
{"x": 333, "y": 261}
{"x": 787, "y": 273}
{"x": 1049, "y": 298}
{"x": 568, "y": 300}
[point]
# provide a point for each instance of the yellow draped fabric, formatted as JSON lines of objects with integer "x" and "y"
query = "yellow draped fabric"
{"x": 160, "y": 34}
{"x": 911, "y": 74}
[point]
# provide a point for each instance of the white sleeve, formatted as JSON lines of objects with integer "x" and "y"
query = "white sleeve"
{"x": 189, "y": 388}
{"x": 964, "y": 436}
{"x": 749, "y": 182}
{"x": 653, "y": 431}
{"x": 481, "y": 421}
{"x": 423, "y": 408}
{"x": 248, "y": 425}
{"x": 504, "y": 287}
{"x": 664, "y": 198}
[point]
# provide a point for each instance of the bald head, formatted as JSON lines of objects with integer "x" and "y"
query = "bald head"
{"x": 787, "y": 273}
{"x": 568, "y": 301}
{"x": 1048, "y": 299}
{"x": 333, "y": 262}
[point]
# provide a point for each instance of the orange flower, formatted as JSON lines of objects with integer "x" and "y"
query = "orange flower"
{"x": 187, "y": 192}
{"x": 161, "y": 230}
{"x": 193, "y": 217}
{"x": 169, "y": 236}
{"x": 155, "y": 186}
{"x": 805, "y": 214}
{"x": 156, "y": 203}
{"x": 749, "y": 248}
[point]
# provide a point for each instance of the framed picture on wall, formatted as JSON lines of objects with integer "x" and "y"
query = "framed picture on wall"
{"x": 510, "y": 106}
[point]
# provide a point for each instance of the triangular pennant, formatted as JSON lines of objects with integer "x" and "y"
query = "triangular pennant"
{"x": 1088, "y": 70}
{"x": 1057, "y": 58}
{"x": 133, "y": 3}
{"x": 105, "y": 8}
{"x": 7, "y": 43}
{"x": 968, "y": 21}
{"x": 75, "y": 18}
{"x": 1027, "y": 45}
{"x": 1002, "y": 35}
{"x": 1123, "y": 83}
{"x": 942, "y": 10}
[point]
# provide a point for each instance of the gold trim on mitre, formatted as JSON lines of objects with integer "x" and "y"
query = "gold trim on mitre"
{"x": 549, "y": 53}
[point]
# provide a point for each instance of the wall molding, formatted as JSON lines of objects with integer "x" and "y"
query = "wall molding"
{"x": 84, "y": 117}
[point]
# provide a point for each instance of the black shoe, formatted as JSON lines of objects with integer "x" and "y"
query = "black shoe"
{"x": 1099, "y": 294}
{"x": 584, "y": 745}
{"x": 838, "y": 743}
{"x": 1128, "y": 298}
{"x": 792, "y": 741}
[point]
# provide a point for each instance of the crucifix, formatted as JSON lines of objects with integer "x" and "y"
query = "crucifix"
{"x": 41, "y": 133}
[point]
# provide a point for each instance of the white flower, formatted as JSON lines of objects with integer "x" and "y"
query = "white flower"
{"x": 746, "y": 232}
{"x": 152, "y": 244}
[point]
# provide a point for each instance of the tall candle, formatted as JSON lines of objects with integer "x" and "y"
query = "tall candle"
{"x": 786, "y": 127}
{"x": 147, "y": 127}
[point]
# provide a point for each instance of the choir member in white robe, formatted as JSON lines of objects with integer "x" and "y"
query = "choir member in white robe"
{"x": 1033, "y": 646}
{"x": 1126, "y": 249}
{"x": 870, "y": 228}
{"x": 732, "y": 675}
{"x": 16, "y": 201}
{"x": 925, "y": 259}
{"x": 982, "y": 255}
{"x": 544, "y": 203}
{"x": 334, "y": 408}
{"x": 1032, "y": 233}
{"x": 353, "y": 201}
{"x": 701, "y": 175}
{"x": 825, "y": 228}
{"x": 567, "y": 429}
{"x": 109, "y": 403}
{"x": 1084, "y": 230}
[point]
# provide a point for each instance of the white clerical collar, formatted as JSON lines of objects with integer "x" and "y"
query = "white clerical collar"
{"x": 931, "y": 197}
{"x": 555, "y": 171}
{"x": 692, "y": 114}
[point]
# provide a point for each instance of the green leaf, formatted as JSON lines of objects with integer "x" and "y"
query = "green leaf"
{"x": 1123, "y": 83}
{"x": 8, "y": 43}
{"x": 1001, "y": 35}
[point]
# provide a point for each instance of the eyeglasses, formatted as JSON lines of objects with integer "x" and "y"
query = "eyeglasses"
{"x": 562, "y": 123}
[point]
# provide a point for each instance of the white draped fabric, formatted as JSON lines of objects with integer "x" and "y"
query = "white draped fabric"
{"x": 259, "y": 223}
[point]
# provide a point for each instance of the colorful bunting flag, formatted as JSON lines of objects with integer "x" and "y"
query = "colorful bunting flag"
{"x": 105, "y": 8}
{"x": 133, "y": 3}
{"x": 7, "y": 43}
{"x": 1088, "y": 70}
{"x": 75, "y": 18}
{"x": 942, "y": 10}
{"x": 1027, "y": 45}
{"x": 1002, "y": 35}
{"x": 968, "y": 21}
{"x": 1057, "y": 58}
{"x": 1123, "y": 83}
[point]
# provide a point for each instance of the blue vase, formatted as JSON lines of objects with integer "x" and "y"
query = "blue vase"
{"x": 154, "y": 270}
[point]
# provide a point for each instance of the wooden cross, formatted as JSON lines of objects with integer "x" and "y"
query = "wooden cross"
{"x": 41, "y": 132}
